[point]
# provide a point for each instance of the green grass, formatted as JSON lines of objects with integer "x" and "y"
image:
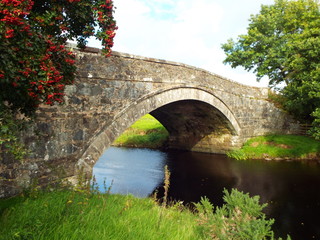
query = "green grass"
{"x": 146, "y": 132}
{"x": 68, "y": 215}
{"x": 278, "y": 147}
{"x": 74, "y": 215}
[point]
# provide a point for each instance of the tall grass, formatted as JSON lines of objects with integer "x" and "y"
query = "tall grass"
{"x": 68, "y": 215}
{"x": 278, "y": 146}
{"x": 146, "y": 132}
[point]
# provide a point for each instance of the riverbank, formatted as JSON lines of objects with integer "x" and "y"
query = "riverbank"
{"x": 81, "y": 214}
{"x": 279, "y": 147}
{"x": 147, "y": 132}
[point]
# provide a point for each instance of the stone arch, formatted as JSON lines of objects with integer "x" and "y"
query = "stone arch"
{"x": 146, "y": 104}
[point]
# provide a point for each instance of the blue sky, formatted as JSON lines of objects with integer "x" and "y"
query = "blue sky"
{"x": 187, "y": 31}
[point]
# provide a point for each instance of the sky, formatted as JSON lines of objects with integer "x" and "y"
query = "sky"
{"x": 186, "y": 31}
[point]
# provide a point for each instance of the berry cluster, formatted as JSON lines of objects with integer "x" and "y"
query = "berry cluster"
{"x": 35, "y": 66}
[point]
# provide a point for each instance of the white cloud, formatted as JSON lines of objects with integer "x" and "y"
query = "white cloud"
{"x": 185, "y": 31}
{"x": 190, "y": 27}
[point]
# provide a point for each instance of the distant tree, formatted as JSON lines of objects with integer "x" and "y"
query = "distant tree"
{"x": 35, "y": 66}
{"x": 283, "y": 43}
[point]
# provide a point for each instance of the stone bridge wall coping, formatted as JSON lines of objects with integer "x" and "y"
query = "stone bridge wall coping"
{"x": 157, "y": 60}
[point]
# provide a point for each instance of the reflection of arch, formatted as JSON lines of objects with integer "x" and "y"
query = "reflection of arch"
{"x": 146, "y": 105}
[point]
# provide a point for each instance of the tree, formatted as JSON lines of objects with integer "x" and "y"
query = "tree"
{"x": 35, "y": 66}
{"x": 283, "y": 43}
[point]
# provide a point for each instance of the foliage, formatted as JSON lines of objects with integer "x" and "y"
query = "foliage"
{"x": 59, "y": 213}
{"x": 283, "y": 43}
{"x": 146, "y": 132}
{"x": 315, "y": 131}
{"x": 303, "y": 99}
{"x": 277, "y": 99}
{"x": 241, "y": 217}
{"x": 35, "y": 66}
{"x": 10, "y": 126}
{"x": 278, "y": 146}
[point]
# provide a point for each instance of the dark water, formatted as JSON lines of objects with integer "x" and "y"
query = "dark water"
{"x": 291, "y": 189}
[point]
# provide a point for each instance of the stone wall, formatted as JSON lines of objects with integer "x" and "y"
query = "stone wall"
{"x": 202, "y": 112}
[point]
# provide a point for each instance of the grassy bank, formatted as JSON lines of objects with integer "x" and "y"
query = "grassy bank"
{"x": 82, "y": 215}
{"x": 146, "y": 132}
{"x": 69, "y": 215}
{"x": 278, "y": 147}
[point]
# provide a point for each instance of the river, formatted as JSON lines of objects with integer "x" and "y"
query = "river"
{"x": 291, "y": 188}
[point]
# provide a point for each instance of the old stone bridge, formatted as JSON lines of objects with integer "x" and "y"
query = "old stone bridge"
{"x": 201, "y": 111}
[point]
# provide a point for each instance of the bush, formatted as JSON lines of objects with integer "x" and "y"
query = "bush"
{"x": 315, "y": 130}
{"x": 240, "y": 218}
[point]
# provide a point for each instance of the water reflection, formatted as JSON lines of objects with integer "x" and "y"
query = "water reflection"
{"x": 290, "y": 188}
{"x": 134, "y": 171}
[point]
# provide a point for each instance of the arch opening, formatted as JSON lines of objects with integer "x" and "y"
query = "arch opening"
{"x": 146, "y": 132}
{"x": 194, "y": 125}
{"x": 196, "y": 121}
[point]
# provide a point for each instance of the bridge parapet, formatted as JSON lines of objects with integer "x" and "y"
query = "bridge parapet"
{"x": 128, "y": 67}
